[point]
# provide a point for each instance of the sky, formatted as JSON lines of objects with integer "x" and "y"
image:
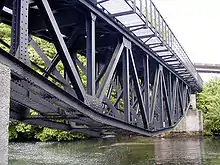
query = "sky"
{"x": 196, "y": 24}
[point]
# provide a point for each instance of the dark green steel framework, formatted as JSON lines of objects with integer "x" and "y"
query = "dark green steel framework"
{"x": 139, "y": 78}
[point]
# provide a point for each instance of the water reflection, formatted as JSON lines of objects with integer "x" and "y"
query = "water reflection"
{"x": 178, "y": 151}
{"x": 140, "y": 151}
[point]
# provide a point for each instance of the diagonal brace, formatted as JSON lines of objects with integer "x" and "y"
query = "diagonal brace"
{"x": 138, "y": 91}
{"x": 110, "y": 71}
{"x": 62, "y": 48}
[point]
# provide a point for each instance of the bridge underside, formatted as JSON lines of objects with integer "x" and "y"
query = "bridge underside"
{"x": 100, "y": 79}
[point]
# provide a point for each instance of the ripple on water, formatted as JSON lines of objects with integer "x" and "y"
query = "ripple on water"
{"x": 141, "y": 151}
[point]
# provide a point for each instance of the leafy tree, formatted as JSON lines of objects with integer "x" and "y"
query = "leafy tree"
{"x": 209, "y": 102}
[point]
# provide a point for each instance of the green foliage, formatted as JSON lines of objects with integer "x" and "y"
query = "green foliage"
{"x": 25, "y": 132}
{"x": 13, "y": 134}
{"x": 22, "y": 132}
{"x": 209, "y": 102}
{"x": 48, "y": 134}
{"x": 5, "y": 35}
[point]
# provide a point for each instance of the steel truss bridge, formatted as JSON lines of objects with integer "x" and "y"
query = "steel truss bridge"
{"x": 136, "y": 77}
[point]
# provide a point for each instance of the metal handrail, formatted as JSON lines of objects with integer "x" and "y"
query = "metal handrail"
{"x": 155, "y": 20}
{"x": 148, "y": 12}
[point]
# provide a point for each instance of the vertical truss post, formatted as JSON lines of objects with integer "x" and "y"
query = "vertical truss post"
{"x": 184, "y": 97}
{"x": 161, "y": 96}
{"x": 97, "y": 67}
{"x": 126, "y": 90}
{"x": 146, "y": 85}
{"x": 117, "y": 90}
{"x": 19, "y": 35}
{"x": 90, "y": 54}
{"x": 15, "y": 27}
{"x": 170, "y": 87}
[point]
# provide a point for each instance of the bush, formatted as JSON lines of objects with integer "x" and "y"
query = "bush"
{"x": 209, "y": 102}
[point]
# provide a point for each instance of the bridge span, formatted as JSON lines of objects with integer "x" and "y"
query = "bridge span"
{"x": 117, "y": 67}
{"x": 207, "y": 68}
{"x": 123, "y": 69}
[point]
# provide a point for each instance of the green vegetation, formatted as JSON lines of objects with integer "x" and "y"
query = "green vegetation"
{"x": 209, "y": 102}
{"x": 25, "y": 132}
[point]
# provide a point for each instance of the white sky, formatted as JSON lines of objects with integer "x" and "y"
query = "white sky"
{"x": 196, "y": 24}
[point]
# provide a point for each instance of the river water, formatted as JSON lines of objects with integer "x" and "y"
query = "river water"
{"x": 126, "y": 151}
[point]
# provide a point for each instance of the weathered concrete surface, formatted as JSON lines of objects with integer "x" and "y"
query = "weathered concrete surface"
{"x": 4, "y": 112}
{"x": 193, "y": 101}
{"x": 192, "y": 123}
{"x": 171, "y": 148}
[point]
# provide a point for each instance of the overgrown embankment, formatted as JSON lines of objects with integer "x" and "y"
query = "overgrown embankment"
{"x": 209, "y": 102}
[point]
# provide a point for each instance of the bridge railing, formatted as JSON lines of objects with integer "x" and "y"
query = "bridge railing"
{"x": 148, "y": 13}
{"x": 155, "y": 20}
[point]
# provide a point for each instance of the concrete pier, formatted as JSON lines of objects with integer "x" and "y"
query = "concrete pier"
{"x": 193, "y": 101}
{"x": 179, "y": 150}
{"x": 4, "y": 112}
{"x": 192, "y": 123}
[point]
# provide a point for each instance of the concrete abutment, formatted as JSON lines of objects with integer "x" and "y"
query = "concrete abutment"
{"x": 192, "y": 123}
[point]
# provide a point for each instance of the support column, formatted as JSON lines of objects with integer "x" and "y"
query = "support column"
{"x": 4, "y": 112}
{"x": 146, "y": 85}
{"x": 126, "y": 90}
{"x": 193, "y": 101}
{"x": 90, "y": 55}
{"x": 19, "y": 37}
